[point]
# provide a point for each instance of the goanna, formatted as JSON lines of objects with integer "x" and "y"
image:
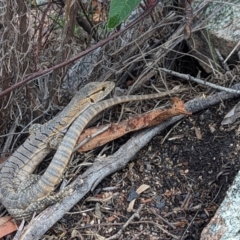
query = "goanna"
{"x": 37, "y": 196}
{"x": 16, "y": 176}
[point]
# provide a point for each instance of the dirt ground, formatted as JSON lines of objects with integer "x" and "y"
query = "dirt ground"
{"x": 188, "y": 168}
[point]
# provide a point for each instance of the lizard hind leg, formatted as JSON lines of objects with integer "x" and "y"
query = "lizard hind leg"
{"x": 26, "y": 183}
{"x": 40, "y": 204}
{"x": 55, "y": 139}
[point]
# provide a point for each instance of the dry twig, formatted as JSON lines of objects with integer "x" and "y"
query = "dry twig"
{"x": 199, "y": 81}
{"x": 135, "y": 215}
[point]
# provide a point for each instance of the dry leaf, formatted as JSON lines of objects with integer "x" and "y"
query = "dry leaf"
{"x": 146, "y": 200}
{"x": 181, "y": 224}
{"x": 131, "y": 205}
{"x": 198, "y": 133}
{"x": 99, "y": 13}
{"x": 232, "y": 115}
{"x": 7, "y": 226}
{"x": 141, "y": 189}
{"x": 111, "y": 218}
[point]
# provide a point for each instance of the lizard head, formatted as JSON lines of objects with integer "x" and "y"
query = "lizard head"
{"x": 96, "y": 91}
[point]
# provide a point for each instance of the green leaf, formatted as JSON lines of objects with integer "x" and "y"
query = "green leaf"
{"x": 120, "y": 10}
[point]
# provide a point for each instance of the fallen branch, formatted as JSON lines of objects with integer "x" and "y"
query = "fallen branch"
{"x": 104, "y": 166}
{"x": 199, "y": 81}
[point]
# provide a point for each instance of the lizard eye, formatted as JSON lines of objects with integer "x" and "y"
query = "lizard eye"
{"x": 91, "y": 100}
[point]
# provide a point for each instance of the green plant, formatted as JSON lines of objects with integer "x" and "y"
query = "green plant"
{"x": 120, "y": 10}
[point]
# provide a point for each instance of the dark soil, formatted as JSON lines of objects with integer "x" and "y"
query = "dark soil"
{"x": 188, "y": 174}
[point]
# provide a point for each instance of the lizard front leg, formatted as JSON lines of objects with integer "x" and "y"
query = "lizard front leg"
{"x": 54, "y": 141}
